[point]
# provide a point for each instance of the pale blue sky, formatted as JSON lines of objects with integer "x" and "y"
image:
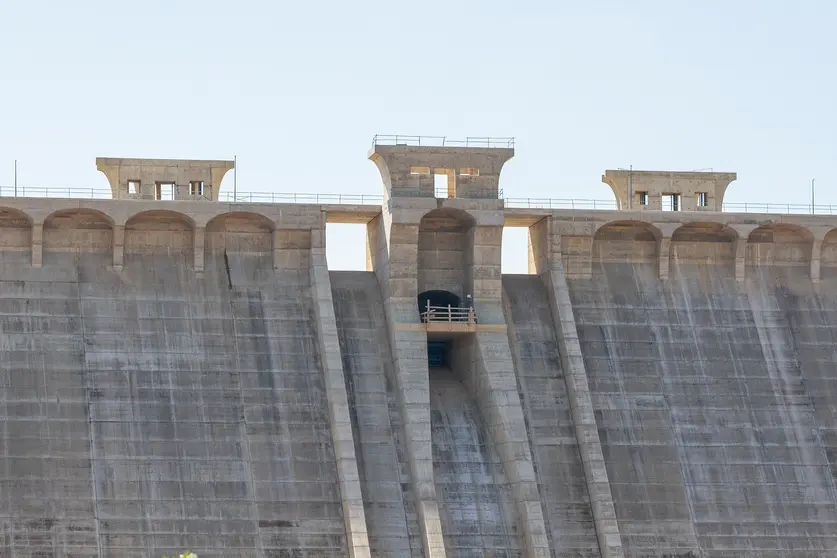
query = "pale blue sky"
{"x": 298, "y": 89}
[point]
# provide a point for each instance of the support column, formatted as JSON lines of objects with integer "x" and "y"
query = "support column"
{"x": 199, "y": 237}
{"x": 394, "y": 250}
{"x": 741, "y": 250}
{"x": 816, "y": 251}
{"x": 277, "y": 253}
{"x": 37, "y": 244}
{"x": 547, "y": 257}
{"x": 118, "y": 247}
{"x": 665, "y": 252}
{"x": 494, "y": 385}
{"x": 338, "y": 400}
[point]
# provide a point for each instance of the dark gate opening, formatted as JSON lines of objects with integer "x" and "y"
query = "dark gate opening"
{"x": 436, "y": 299}
{"x": 438, "y": 353}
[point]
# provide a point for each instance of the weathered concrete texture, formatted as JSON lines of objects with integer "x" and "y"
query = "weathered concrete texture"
{"x": 48, "y": 504}
{"x": 543, "y": 392}
{"x": 476, "y": 503}
{"x": 378, "y": 432}
{"x": 716, "y": 443}
{"x": 151, "y": 410}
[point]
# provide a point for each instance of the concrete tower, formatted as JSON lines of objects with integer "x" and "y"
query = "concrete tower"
{"x": 434, "y": 251}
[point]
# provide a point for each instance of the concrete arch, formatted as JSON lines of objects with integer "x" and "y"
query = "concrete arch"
{"x": 779, "y": 244}
{"x": 161, "y": 217}
{"x": 15, "y": 236}
{"x": 828, "y": 254}
{"x": 445, "y": 251}
{"x": 240, "y": 232}
{"x": 78, "y": 230}
{"x": 627, "y": 242}
{"x": 240, "y": 220}
{"x": 159, "y": 232}
{"x": 703, "y": 243}
{"x": 446, "y": 217}
{"x": 82, "y": 216}
{"x": 625, "y": 225}
{"x": 14, "y": 218}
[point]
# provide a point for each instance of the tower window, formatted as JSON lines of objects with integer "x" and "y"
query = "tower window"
{"x": 671, "y": 202}
{"x": 196, "y": 187}
{"x": 703, "y": 199}
{"x": 643, "y": 198}
{"x": 133, "y": 186}
{"x": 164, "y": 191}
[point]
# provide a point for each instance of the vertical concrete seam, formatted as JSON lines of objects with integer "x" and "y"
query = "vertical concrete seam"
{"x": 243, "y": 421}
{"x": 354, "y": 516}
{"x": 90, "y": 429}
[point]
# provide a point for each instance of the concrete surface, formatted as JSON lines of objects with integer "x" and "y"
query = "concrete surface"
{"x": 138, "y": 178}
{"x": 637, "y": 188}
{"x": 187, "y": 374}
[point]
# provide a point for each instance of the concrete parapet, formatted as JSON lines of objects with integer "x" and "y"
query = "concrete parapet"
{"x": 143, "y": 178}
{"x": 692, "y": 191}
{"x": 409, "y": 171}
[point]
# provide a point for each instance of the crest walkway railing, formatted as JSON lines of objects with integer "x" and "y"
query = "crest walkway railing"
{"x": 372, "y": 199}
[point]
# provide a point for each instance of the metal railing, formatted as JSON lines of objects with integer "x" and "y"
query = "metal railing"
{"x": 442, "y": 192}
{"x": 279, "y": 197}
{"x": 55, "y": 192}
{"x": 446, "y": 314}
{"x": 228, "y": 197}
{"x": 549, "y": 203}
{"x": 441, "y": 141}
{"x": 786, "y": 208}
{"x": 729, "y": 207}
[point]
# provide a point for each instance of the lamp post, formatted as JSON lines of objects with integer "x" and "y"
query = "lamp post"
{"x": 813, "y": 210}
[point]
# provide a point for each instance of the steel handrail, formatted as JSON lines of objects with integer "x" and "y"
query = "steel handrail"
{"x": 442, "y": 141}
{"x": 445, "y": 314}
{"x": 75, "y": 192}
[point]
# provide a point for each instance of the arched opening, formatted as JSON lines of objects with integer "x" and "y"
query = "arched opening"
{"x": 437, "y": 299}
{"x": 159, "y": 233}
{"x": 242, "y": 233}
{"x": 16, "y": 230}
{"x": 702, "y": 244}
{"x": 828, "y": 256}
{"x": 626, "y": 242}
{"x": 76, "y": 232}
{"x": 779, "y": 245}
{"x": 445, "y": 251}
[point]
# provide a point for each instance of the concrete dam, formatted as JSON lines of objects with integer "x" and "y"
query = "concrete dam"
{"x": 187, "y": 374}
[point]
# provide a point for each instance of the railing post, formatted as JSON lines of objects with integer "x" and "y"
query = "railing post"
{"x": 449, "y": 313}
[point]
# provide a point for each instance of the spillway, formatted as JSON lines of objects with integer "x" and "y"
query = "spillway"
{"x": 379, "y": 444}
{"x": 543, "y": 393}
{"x": 475, "y": 503}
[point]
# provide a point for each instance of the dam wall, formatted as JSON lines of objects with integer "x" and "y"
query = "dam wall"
{"x": 189, "y": 375}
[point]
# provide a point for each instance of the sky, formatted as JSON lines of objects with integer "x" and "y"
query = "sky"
{"x": 296, "y": 90}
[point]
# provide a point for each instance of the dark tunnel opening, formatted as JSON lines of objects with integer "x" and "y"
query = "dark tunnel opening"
{"x": 441, "y": 299}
